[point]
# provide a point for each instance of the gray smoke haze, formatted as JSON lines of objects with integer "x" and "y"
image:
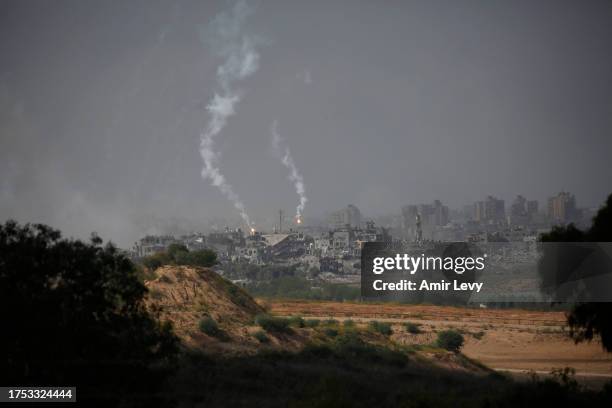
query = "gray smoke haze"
{"x": 241, "y": 61}
{"x": 384, "y": 104}
{"x": 294, "y": 174}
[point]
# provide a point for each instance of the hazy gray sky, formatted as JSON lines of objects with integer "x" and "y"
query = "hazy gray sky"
{"x": 382, "y": 104}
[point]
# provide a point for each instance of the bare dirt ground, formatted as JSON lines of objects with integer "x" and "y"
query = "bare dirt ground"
{"x": 515, "y": 341}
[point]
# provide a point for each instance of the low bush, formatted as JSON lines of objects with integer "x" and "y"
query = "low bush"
{"x": 412, "y": 328}
{"x": 381, "y": 327}
{"x": 450, "y": 340}
{"x": 209, "y": 326}
{"x": 271, "y": 323}
{"x": 203, "y": 257}
{"x": 296, "y": 321}
{"x": 329, "y": 332}
{"x": 156, "y": 260}
{"x": 178, "y": 254}
{"x": 312, "y": 323}
{"x": 348, "y": 324}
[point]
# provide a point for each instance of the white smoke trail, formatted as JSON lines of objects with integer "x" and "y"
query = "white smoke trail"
{"x": 241, "y": 61}
{"x": 294, "y": 175}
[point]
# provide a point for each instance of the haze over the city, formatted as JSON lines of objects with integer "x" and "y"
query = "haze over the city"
{"x": 382, "y": 104}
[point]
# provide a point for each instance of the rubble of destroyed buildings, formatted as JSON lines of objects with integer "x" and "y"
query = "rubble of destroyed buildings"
{"x": 333, "y": 251}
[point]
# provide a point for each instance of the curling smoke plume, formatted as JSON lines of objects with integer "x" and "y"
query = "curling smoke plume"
{"x": 241, "y": 61}
{"x": 294, "y": 175}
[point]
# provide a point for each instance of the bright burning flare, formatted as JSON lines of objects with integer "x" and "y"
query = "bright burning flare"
{"x": 299, "y": 221}
{"x": 252, "y": 230}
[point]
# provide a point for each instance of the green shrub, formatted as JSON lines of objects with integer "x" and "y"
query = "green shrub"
{"x": 331, "y": 322}
{"x": 348, "y": 324}
{"x": 209, "y": 326}
{"x": 450, "y": 340}
{"x": 412, "y": 328}
{"x": 296, "y": 321}
{"x": 312, "y": 323}
{"x": 203, "y": 257}
{"x": 329, "y": 332}
{"x": 271, "y": 323}
{"x": 175, "y": 250}
{"x": 156, "y": 260}
{"x": 381, "y": 327}
{"x": 349, "y": 340}
{"x": 261, "y": 336}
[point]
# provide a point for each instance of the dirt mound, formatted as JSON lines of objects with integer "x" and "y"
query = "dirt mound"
{"x": 217, "y": 317}
{"x": 185, "y": 295}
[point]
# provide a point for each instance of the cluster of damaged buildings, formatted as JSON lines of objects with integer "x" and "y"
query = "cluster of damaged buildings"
{"x": 335, "y": 249}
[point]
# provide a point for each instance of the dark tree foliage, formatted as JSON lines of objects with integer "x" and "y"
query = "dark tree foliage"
{"x": 73, "y": 315}
{"x": 203, "y": 257}
{"x": 587, "y": 320}
{"x": 601, "y": 230}
{"x": 157, "y": 260}
{"x": 175, "y": 249}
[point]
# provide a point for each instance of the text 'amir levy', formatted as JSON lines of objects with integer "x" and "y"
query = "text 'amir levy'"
{"x": 424, "y": 285}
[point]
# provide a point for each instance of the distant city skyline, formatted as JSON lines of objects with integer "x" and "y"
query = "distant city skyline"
{"x": 382, "y": 104}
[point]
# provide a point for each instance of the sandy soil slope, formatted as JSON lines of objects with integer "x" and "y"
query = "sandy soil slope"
{"x": 184, "y": 295}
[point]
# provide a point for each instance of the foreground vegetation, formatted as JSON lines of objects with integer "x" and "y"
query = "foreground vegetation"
{"x": 73, "y": 313}
{"x": 347, "y": 372}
